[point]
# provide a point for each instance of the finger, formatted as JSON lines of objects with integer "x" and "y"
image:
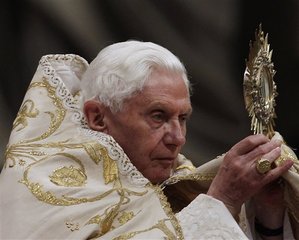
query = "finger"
{"x": 249, "y": 143}
{"x": 265, "y": 163}
{"x": 273, "y": 155}
{"x": 265, "y": 151}
{"x": 277, "y": 172}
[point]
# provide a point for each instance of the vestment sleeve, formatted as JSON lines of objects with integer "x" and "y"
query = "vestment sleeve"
{"x": 208, "y": 218}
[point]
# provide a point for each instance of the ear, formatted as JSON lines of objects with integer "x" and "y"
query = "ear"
{"x": 94, "y": 112}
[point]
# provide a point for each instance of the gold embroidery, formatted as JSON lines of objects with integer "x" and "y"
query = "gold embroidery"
{"x": 95, "y": 220}
{"x": 26, "y": 111}
{"x": 48, "y": 197}
{"x": 163, "y": 227}
{"x": 31, "y": 151}
{"x": 109, "y": 215}
{"x": 192, "y": 177}
{"x": 189, "y": 167}
{"x": 98, "y": 153}
{"x": 110, "y": 169}
{"x": 24, "y": 150}
{"x": 125, "y": 217}
{"x": 68, "y": 177}
{"x": 106, "y": 220}
{"x": 106, "y": 224}
{"x": 95, "y": 151}
{"x": 22, "y": 162}
{"x": 55, "y": 119}
{"x": 37, "y": 153}
{"x": 72, "y": 226}
{"x": 167, "y": 209}
{"x": 160, "y": 225}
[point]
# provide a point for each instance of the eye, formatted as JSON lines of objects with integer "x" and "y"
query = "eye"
{"x": 184, "y": 118}
{"x": 158, "y": 117}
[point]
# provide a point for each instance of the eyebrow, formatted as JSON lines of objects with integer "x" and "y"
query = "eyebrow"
{"x": 162, "y": 106}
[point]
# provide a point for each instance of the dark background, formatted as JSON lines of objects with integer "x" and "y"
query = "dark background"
{"x": 210, "y": 37}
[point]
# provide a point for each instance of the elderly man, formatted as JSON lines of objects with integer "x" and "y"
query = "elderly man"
{"x": 102, "y": 175}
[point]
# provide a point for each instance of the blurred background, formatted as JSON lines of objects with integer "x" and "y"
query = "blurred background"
{"x": 211, "y": 37}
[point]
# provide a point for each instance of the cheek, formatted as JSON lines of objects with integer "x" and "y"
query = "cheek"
{"x": 142, "y": 146}
{"x": 139, "y": 141}
{"x": 146, "y": 136}
{"x": 146, "y": 144}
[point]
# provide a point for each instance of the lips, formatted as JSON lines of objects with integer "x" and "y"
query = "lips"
{"x": 170, "y": 159}
{"x": 166, "y": 161}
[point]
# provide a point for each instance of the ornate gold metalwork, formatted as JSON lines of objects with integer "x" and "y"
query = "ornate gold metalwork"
{"x": 263, "y": 165}
{"x": 259, "y": 86}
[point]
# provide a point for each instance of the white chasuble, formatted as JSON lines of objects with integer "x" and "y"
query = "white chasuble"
{"x": 62, "y": 180}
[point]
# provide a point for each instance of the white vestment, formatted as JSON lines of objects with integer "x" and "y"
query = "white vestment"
{"x": 62, "y": 180}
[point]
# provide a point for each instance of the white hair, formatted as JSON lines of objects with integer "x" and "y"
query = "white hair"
{"x": 121, "y": 69}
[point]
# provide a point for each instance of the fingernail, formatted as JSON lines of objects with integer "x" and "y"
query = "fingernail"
{"x": 277, "y": 150}
{"x": 290, "y": 163}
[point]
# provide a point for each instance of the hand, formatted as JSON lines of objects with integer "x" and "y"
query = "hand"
{"x": 269, "y": 207}
{"x": 237, "y": 179}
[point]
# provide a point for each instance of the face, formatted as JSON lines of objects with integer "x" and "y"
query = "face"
{"x": 151, "y": 128}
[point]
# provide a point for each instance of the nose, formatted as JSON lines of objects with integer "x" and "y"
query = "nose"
{"x": 175, "y": 134}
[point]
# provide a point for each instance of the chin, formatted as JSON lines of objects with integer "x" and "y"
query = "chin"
{"x": 159, "y": 178}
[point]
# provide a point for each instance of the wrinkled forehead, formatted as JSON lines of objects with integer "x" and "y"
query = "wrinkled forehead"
{"x": 163, "y": 88}
{"x": 165, "y": 79}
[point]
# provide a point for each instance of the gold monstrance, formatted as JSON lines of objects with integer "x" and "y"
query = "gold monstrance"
{"x": 259, "y": 86}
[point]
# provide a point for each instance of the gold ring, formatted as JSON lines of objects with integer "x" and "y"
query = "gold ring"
{"x": 263, "y": 165}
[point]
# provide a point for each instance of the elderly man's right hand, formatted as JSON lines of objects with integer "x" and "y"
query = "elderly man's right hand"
{"x": 237, "y": 179}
